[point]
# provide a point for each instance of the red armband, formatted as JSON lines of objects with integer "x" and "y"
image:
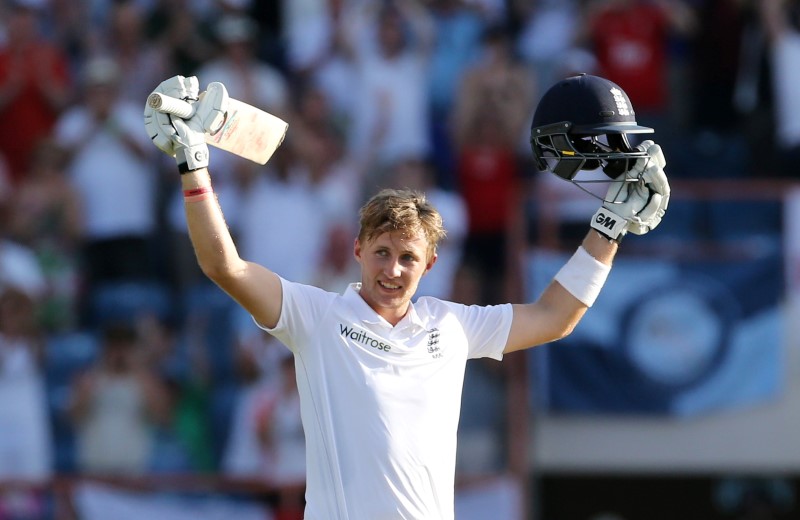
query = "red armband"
{"x": 197, "y": 194}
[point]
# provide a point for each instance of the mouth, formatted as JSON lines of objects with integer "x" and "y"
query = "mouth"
{"x": 389, "y": 286}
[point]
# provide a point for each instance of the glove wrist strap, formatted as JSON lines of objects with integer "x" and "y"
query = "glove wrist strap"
{"x": 609, "y": 224}
{"x": 192, "y": 158}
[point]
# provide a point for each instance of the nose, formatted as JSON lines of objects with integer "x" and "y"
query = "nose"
{"x": 392, "y": 269}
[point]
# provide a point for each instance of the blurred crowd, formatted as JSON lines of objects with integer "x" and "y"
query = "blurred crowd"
{"x": 117, "y": 356}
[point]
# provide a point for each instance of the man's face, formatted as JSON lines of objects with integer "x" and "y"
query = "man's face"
{"x": 391, "y": 267}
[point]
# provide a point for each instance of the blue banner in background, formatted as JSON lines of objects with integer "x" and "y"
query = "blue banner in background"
{"x": 677, "y": 337}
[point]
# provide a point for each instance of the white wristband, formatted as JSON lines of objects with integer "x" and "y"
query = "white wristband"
{"x": 583, "y": 276}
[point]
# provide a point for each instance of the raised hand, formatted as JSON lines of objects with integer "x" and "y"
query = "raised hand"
{"x": 639, "y": 198}
{"x": 184, "y": 139}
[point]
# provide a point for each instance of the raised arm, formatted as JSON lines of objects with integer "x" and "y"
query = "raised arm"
{"x": 634, "y": 205}
{"x": 254, "y": 287}
{"x": 557, "y": 311}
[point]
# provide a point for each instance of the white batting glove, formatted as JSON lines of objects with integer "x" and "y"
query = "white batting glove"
{"x": 637, "y": 204}
{"x": 185, "y": 139}
{"x": 191, "y": 150}
{"x": 159, "y": 125}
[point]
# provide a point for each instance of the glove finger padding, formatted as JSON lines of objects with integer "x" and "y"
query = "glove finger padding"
{"x": 185, "y": 88}
{"x": 655, "y": 153}
{"x": 654, "y": 157}
{"x": 649, "y": 217}
{"x": 212, "y": 107}
{"x": 655, "y": 181}
{"x": 160, "y": 130}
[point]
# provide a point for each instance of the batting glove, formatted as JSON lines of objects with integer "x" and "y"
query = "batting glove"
{"x": 159, "y": 125}
{"x": 185, "y": 139}
{"x": 637, "y": 202}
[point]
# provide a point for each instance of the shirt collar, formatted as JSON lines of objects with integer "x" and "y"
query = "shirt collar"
{"x": 368, "y": 315}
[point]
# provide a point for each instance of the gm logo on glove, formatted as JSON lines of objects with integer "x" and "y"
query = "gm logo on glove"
{"x": 605, "y": 220}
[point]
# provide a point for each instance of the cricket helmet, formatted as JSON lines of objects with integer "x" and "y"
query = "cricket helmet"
{"x": 581, "y": 123}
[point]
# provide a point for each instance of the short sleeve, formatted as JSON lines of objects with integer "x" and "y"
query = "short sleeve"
{"x": 302, "y": 309}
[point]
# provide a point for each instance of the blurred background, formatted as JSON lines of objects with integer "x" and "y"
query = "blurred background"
{"x": 131, "y": 387}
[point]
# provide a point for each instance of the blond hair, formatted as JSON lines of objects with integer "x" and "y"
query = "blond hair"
{"x": 401, "y": 210}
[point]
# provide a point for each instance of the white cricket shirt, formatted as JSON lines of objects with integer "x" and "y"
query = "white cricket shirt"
{"x": 380, "y": 404}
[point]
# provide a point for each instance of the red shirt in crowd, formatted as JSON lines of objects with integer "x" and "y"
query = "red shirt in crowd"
{"x": 488, "y": 179}
{"x": 631, "y": 44}
{"x": 27, "y": 115}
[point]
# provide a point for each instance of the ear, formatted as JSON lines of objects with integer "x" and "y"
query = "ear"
{"x": 432, "y": 261}
{"x": 357, "y": 250}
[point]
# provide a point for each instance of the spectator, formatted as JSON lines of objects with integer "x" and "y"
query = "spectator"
{"x": 183, "y": 441}
{"x": 317, "y": 146}
{"x": 308, "y": 28}
{"x": 267, "y": 440}
{"x": 140, "y": 61}
{"x": 26, "y": 438}
{"x": 316, "y": 188}
{"x": 238, "y": 67}
{"x": 492, "y": 111}
{"x": 69, "y": 27}
{"x": 246, "y": 77}
{"x": 317, "y": 154}
{"x": 631, "y": 39}
{"x": 491, "y": 118}
{"x": 109, "y": 167}
{"x": 280, "y": 430}
{"x": 491, "y": 183}
{"x": 35, "y": 85}
{"x": 259, "y": 370}
{"x": 334, "y": 73}
{"x": 781, "y": 21}
{"x": 499, "y": 82}
{"x": 719, "y": 66}
{"x": 118, "y": 401}
{"x": 268, "y": 200}
{"x": 46, "y": 216}
{"x": 25, "y": 434}
{"x": 546, "y": 38}
{"x": 184, "y": 36}
{"x": 457, "y": 46}
{"x": 391, "y": 44}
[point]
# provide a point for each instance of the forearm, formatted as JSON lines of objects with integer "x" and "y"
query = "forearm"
{"x": 563, "y": 303}
{"x": 213, "y": 245}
